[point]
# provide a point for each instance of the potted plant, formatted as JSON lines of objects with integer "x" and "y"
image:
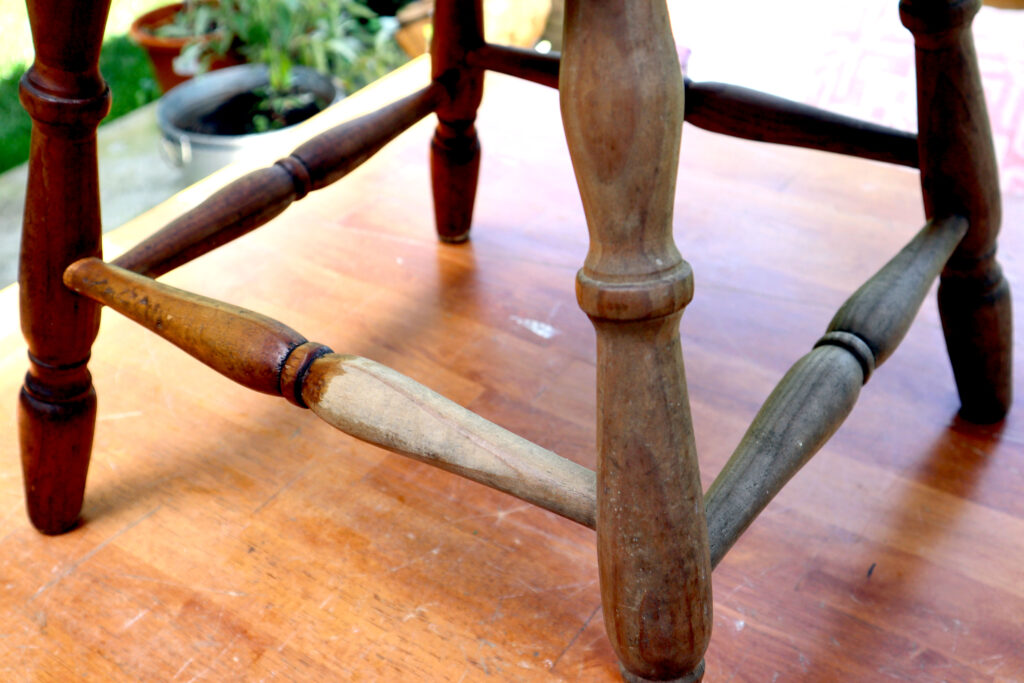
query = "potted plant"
{"x": 165, "y": 31}
{"x": 344, "y": 38}
{"x": 304, "y": 48}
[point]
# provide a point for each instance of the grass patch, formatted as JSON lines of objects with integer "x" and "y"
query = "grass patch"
{"x": 123, "y": 65}
{"x": 14, "y": 122}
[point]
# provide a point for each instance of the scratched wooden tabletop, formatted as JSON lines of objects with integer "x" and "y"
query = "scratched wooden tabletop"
{"x": 231, "y": 536}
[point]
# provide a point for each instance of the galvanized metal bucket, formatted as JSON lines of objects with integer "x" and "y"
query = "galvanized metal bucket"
{"x": 200, "y": 154}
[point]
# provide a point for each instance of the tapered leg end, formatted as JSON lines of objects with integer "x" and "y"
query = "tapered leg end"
{"x": 454, "y": 169}
{"x": 977, "y": 319}
{"x": 56, "y": 442}
{"x": 694, "y": 676}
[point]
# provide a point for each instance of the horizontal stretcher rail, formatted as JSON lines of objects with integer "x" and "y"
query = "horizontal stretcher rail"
{"x": 378, "y": 405}
{"x": 820, "y": 390}
{"x": 737, "y": 111}
{"x": 357, "y": 396}
{"x": 256, "y": 198}
{"x": 526, "y": 64}
{"x": 753, "y": 115}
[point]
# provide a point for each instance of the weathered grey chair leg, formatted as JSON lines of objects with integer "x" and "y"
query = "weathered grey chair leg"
{"x": 959, "y": 177}
{"x": 622, "y": 106}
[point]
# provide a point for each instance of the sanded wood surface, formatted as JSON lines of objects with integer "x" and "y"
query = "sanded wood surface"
{"x": 358, "y": 396}
{"x": 622, "y": 110}
{"x": 229, "y": 536}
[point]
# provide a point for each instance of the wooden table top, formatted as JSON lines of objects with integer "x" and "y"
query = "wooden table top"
{"x": 231, "y": 536}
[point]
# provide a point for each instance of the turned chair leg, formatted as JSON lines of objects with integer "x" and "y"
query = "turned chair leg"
{"x": 455, "y": 148}
{"x": 66, "y": 98}
{"x": 622, "y": 107}
{"x": 959, "y": 177}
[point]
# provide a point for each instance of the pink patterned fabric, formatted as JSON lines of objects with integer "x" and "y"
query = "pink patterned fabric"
{"x": 853, "y": 58}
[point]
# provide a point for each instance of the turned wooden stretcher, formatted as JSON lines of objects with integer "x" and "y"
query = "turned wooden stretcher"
{"x": 623, "y": 104}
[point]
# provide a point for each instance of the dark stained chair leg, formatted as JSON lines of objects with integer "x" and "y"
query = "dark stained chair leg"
{"x": 66, "y": 97}
{"x": 959, "y": 177}
{"x": 455, "y": 149}
{"x": 623, "y": 110}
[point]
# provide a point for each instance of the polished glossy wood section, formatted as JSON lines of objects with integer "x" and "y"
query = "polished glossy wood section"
{"x": 230, "y": 537}
{"x": 514, "y": 61}
{"x": 455, "y": 149}
{"x": 66, "y": 97}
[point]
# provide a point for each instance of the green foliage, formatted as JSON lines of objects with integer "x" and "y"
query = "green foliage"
{"x": 343, "y": 38}
{"x": 129, "y": 74}
{"x": 123, "y": 65}
{"x": 14, "y": 122}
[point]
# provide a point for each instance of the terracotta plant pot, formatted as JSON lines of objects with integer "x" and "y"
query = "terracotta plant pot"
{"x": 162, "y": 51}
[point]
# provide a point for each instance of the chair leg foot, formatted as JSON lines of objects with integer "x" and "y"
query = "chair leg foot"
{"x": 977, "y": 319}
{"x": 56, "y": 442}
{"x": 694, "y": 676}
{"x": 454, "y": 169}
{"x": 959, "y": 177}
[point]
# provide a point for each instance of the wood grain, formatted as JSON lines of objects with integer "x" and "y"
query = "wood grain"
{"x": 820, "y": 390}
{"x": 254, "y": 199}
{"x": 246, "y": 347}
{"x": 455, "y": 149}
{"x": 66, "y": 97}
{"x": 513, "y": 61}
{"x": 622, "y": 109}
{"x": 362, "y": 398}
{"x": 753, "y": 115}
{"x": 376, "y": 404}
{"x": 959, "y": 177}
{"x": 228, "y": 537}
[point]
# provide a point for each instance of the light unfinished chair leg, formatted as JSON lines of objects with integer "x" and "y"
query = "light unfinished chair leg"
{"x": 959, "y": 177}
{"x": 622, "y": 106}
{"x": 455, "y": 148}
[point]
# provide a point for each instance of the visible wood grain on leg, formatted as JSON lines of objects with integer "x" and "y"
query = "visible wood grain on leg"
{"x": 959, "y": 176}
{"x": 66, "y": 97}
{"x": 455, "y": 149}
{"x": 622, "y": 106}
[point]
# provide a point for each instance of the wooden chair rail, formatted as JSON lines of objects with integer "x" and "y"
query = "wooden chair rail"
{"x": 820, "y": 390}
{"x": 753, "y": 115}
{"x": 374, "y": 403}
{"x": 357, "y": 396}
{"x": 737, "y": 111}
{"x": 254, "y": 199}
{"x": 526, "y": 64}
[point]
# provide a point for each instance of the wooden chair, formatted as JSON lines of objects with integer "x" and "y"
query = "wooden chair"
{"x": 622, "y": 98}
